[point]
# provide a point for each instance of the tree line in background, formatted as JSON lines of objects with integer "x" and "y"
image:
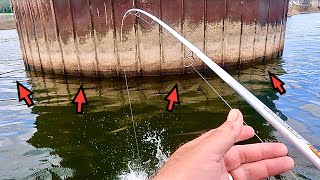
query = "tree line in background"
{"x": 5, "y": 6}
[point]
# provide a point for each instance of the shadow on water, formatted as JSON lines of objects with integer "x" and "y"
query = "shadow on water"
{"x": 100, "y": 143}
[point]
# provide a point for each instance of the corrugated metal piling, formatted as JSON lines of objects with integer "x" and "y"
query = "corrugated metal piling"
{"x": 82, "y": 37}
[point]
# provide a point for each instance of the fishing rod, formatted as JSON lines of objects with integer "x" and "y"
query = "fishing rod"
{"x": 303, "y": 146}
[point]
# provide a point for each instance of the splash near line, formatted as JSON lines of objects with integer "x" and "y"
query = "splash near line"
{"x": 302, "y": 145}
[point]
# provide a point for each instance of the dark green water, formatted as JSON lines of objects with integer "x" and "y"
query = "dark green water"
{"x": 51, "y": 141}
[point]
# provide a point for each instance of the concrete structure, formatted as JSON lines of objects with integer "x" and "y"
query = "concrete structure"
{"x": 81, "y": 37}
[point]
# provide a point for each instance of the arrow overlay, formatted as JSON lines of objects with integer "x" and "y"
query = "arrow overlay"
{"x": 80, "y": 99}
{"x": 24, "y": 94}
{"x": 277, "y": 84}
{"x": 172, "y": 98}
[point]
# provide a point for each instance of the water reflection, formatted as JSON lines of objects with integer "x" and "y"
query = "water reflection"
{"x": 100, "y": 143}
{"x": 51, "y": 140}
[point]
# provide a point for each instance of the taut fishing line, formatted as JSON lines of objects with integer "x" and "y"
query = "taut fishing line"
{"x": 185, "y": 65}
{"x": 128, "y": 92}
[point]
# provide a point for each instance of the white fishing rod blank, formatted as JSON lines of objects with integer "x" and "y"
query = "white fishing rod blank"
{"x": 289, "y": 133}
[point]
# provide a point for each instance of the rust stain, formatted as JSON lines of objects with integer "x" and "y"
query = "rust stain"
{"x": 52, "y": 40}
{"x": 249, "y": 12}
{"x": 249, "y": 15}
{"x": 263, "y": 11}
{"x": 283, "y": 29}
{"x": 44, "y": 52}
{"x": 30, "y": 35}
{"x": 193, "y": 27}
{"x": 19, "y": 30}
{"x": 82, "y": 26}
{"x": 101, "y": 13}
{"x": 25, "y": 34}
{"x": 127, "y": 54}
{"x": 278, "y": 6}
{"x": 82, "y": 37}
{"x": 149, "y": 50}
{"x": 172, "y": 14}
{"x": 216, "y": 12}
{"x": 37, "y": 58}
{"x": 232, "y": 32}
{"x": 261, "y": 30}
{"x": 66, "y": 36}
{"x": 272, "y": 28}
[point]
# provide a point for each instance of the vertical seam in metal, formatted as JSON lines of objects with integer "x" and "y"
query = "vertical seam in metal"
{"x": 94, "y": 39}
{"x": 255, "y": 31}
{"x": 35, "y": 35}
{"x": 108, "y": 29}
{"x": 137, "y": 41}
{"x": 182, "y": 32}
{"x": 116, "y": 50}
{"x": 282, "y": 27}
{"x": 241, "y": 31}
{"x": 160, "y": 39}
{"x": 105, "y": 11}
{"x": 19, "y": 30}
{"x": 265, "y": 49}
{"x": 13, "y": 3}
{"x": 27, "y": 33}
{"x": 75, "y": 39}
{"x": 53, "y": 13}
{"x": 224, "y": 31}
{"x": 44, "y": 32}
{"x": 275, "y": 26}
{"x": 205, "y": 13}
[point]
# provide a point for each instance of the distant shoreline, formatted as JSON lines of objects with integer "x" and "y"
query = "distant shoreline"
{"x": 295, "y": 10}
{"x": 7, "y": 21}
{"x": 298, "y": 13}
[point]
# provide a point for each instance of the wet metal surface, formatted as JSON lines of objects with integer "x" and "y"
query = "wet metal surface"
{"x": 82, "y": 37}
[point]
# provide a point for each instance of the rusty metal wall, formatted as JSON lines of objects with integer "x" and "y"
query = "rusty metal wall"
{"x": 82, "y": 37}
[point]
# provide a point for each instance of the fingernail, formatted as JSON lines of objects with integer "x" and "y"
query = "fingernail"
{"x": 233, "y": 115}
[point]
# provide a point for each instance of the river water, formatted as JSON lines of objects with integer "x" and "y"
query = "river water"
{"x": 50, "y": 140}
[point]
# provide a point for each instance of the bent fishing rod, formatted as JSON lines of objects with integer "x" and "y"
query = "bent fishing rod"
{"x": 303, "y": 146}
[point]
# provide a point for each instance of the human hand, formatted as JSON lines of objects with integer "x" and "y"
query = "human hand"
{"x": 213, "y": 155}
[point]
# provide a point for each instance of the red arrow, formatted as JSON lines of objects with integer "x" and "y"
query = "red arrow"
{"x": 172, "y": 98}
{"x": 24, "y": 94}
{"x": 277, "y": 84}
{"x": 80, "y": 99}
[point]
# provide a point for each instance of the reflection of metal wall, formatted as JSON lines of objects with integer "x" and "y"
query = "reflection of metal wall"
{"x": 81, "y": 37}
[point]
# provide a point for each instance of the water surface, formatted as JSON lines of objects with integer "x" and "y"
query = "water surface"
{"x": 51, "y": 141}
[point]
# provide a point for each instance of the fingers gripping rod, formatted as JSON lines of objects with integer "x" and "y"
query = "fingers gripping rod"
{"x": 289, "y": 133}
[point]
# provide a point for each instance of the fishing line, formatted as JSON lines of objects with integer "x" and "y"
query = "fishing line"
{"x": 255, "y": 134}
{"x": 127, "y": 86}
{"x": 189, "y": 55}
{"x": 131, "y": 112}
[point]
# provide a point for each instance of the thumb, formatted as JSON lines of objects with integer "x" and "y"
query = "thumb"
{"x": 224, "y": 137}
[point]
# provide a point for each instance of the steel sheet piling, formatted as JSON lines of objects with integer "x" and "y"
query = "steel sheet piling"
{"x": 81, "y": 37}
